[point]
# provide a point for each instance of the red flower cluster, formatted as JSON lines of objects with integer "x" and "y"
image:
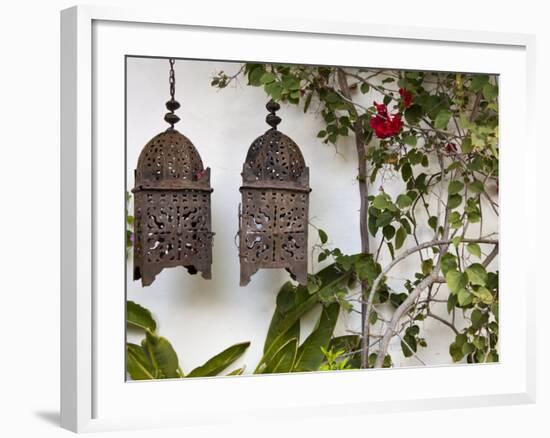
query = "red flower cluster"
{"x": 383, "y": 124}
{"x": 406, "y": 97}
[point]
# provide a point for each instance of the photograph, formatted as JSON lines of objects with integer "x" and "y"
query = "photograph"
{"x": 295, "y": 218}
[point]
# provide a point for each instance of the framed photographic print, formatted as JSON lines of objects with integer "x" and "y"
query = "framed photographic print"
{"x": 307, "y": 218}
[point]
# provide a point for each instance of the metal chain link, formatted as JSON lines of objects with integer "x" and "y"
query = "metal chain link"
{"x": 172, "y": 79}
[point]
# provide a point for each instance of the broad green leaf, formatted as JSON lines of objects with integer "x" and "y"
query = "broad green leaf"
{"x": 455, "y": 187}
{"x": 267, "y": 77}
{"x": 138, "y": 364}
{"x": 221, "y": 361}
{"x": 388, "y": 231}
{"x": 490, "y": 91}
{"x": 403, "y": 201}
{"x": 476, "y": 274}
{"x": 448, "y": 263}
{"x": 456, "y": 281}
{"x": 255, "y": 74}
{"x": 427, "y": 266}
{"x": 139, "y": 317}
{"x": 410, "y": 139}
{"x": 478, "y": 82}
{"x": 282, "y": 322}
{"x": 474, "y": 249}
{"x": 484, "y": 295}
{"x": 406, "y": 171}
{"x": 310, "y": 355}
{"x": 442, "y": 119}
{"x": 400, "y": 237}
{"x": 413, "y": 114}
{"x": 454, "y": 201}
{"x": 466, "y": 146}
{"x": 323, "y": 236}
{"x": 477, "y": 318}
{"x": 385, "y": 218}
{"x": 283, "y": 359}
{"x": 274, "y": 89}
{"x": 464, "y": 297}
{"x": 162, "y": 355}
{"x": 381, "y": 202}
{"x": 476, "y": 186}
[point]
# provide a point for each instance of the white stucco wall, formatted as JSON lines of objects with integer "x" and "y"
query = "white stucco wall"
{"x": 202, "y": 317}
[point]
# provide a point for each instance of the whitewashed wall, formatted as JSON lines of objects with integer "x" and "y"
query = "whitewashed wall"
{"x": 202, "y": 317}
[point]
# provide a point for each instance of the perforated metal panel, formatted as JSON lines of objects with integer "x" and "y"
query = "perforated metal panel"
{"x": 171, "y": 208}
{"x": 273, "y": 217}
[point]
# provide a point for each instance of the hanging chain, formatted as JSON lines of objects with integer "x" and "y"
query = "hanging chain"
{"x": 172, "y": 79}
{"x": 172, "y": 104}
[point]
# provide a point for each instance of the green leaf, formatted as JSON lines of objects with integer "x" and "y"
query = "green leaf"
{"x": 384, "y": 219}
{"x": 477, "y": 318}
{"x": 406, "y": 171}
{"x": 456, "y": 281}
{"x": 283, "y": 359}
{"x": 388, "y": 231}
{"x": 403, "y": 201}
{"x": 466, "y": 146}
{"x": 410, "y": 140}
{"x": 455, "y": 187}
{"x": 427, "y": 266}
{"x": 474, "y": 249}
{"x": 478, "y": 82}
{"x": 413, "y": 114}
{"x": 454, "y": 201}
{"x": 323, "y": 236}
{"x": 221, "y": 361}
{"x": 138, "y": 364}
{"x": 464, "y": 297}
{"x": 400, "y": 237}
{"x": 162, "y": 355}
{"x": 267, "y": 77}
{"x": 274, "y": 89}
{"x": 442, "y": 119}
{"x": 448, "y": 263}
{"x": 432, "y": 222}
{"x": 381, "y": 202}
{"x": 490, "y": 91}
{"x": 292, "y": 304}
{"x": 255, "y": 74}
{"x": 365, "y": 88}
{"x": 139, "y": 317}
{"x": 310, "y": 355}
{"x": 484, "y": 295}
{"x": 476, "y": 186}
{"x": 477, "y": 274}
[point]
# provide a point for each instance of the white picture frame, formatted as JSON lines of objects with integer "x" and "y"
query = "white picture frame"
{"x": 94, "y": 394}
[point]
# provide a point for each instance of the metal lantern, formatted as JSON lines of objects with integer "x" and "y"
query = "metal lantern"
{"x": 171, "y": 203}
{"x": 273, "y": 217}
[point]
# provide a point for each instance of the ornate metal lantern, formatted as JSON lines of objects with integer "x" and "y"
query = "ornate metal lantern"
{"x": 171, "y": 203}
{"x": 273, "y": 218}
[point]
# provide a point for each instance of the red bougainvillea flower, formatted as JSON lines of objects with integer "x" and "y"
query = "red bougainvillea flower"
{"x": 383, "y": 124}
{"x": 451, "y": 148}
{"x": 406, "y": 97}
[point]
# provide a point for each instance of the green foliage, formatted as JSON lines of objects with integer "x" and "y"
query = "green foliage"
{"x": 155, "y": 358}
{"x": 447, "y": 150}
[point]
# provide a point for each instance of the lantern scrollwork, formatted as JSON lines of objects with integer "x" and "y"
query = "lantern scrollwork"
{"x": 172, "y": 214}
{"x": 273, "y": 216}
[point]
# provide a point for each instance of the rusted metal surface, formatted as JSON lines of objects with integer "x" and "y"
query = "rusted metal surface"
{"x": 273, "y": 221}
{"x": 172, "y": 214}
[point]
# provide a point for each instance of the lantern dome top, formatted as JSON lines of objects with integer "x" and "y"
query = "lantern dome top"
{"x": 169, "y": 160}
{"x": 274, "y": 156}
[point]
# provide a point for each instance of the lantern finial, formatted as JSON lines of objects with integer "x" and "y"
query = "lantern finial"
{"x": 272, "y": 119}
{"x": 172, "y": 105}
